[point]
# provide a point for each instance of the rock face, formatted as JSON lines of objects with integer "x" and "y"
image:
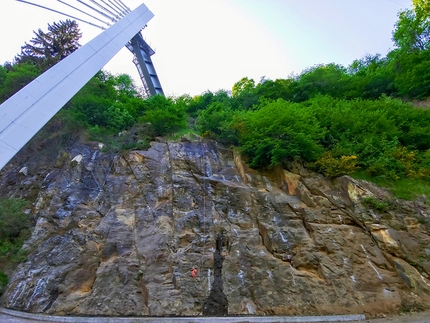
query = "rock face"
{"x": 119, "y": 235}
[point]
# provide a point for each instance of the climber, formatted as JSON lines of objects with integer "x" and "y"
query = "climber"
{"x": 194, "y": 272}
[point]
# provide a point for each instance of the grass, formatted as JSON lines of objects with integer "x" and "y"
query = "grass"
{"x": 3, "y": 282}
{"x": 405, "y": 188}
{"x": 186, "y": 132}
{"x": 376, "y": 204}
{"x": 14, "y": 224}
{"x": 134, "y": 138}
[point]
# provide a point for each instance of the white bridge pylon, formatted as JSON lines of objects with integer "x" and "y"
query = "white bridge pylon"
{"x": 28, "y": 110}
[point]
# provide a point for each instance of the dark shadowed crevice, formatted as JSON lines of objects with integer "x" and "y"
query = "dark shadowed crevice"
{"x": 216, "y": 304}
{"x": 52, "y": 298}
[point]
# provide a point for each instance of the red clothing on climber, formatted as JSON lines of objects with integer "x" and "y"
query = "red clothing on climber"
{"x": 194, "y": 272}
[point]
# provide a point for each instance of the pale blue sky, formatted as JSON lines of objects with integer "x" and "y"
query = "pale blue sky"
{"x": 211, "y": 44}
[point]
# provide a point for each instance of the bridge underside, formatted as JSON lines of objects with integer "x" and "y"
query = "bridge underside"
{"x": 25, "y": 113}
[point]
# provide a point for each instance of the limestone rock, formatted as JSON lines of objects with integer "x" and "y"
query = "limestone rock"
{"x": 23, "y": 170}
{"x": 77, "y": 159}
{"x": 119, "y": 235}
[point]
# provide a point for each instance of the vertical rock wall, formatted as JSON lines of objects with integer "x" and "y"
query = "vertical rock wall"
{"x": 119, "y": 235}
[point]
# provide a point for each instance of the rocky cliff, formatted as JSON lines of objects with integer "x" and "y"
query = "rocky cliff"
{"x": 120, "y": 235}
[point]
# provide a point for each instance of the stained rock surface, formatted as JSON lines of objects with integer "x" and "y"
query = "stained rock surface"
{"x": 119, "y": 235}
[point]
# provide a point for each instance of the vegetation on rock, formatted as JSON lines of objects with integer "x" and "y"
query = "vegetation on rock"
{"x": 13, "y": 225}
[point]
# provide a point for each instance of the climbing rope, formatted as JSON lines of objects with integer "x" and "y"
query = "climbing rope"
{"x": 194, "y": 271}
{"x": 204, "y": 222}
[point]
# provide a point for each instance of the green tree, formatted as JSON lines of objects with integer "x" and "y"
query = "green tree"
{"x": 412, "y": 74}
{"x": 216, "y": 121}
{"x": 202, "y": 102}
{"x": 279, "y": 131}
{"x": 48, "y": 48}
{"x": 107, "y": 101}
{"x": 422, "y": 8}
{"x": 244, "y": 85}
{"x": 410, "y": 60}
{"x": 123, "y": 83}
{"x": 3, "y": 75}
{"x": 244, "y": 93}
{"x": 328, "y": 79}
{"x": 199, "y": 102}
{"x": 163, "y": 115}
{"x": 277, "y": 89}
{"x": 412, "y": 31}
{"x": 371, "y": 77}
{"x": 15, "y": 78}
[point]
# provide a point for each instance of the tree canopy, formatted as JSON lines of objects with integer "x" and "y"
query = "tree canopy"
{"x": 48, "y": 48}
{"x": 412, "y": 31}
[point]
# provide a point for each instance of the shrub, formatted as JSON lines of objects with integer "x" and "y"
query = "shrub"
{"x": 3, "y": 282}
{"x": 163, "y": 115}
{"x": 216, "y": 121}
{"x": 12, "y": 218}
{"x": 331, "y": 166}
{"x": 376, "y": 204}
{"x": 136, "y": 137}
{"x": 279, "y": 131}
{"x": 13, "y": 232}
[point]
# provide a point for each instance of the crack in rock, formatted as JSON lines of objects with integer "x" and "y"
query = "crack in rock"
{"x": 217, "y": 304}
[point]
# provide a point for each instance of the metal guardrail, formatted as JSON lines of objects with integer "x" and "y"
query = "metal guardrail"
{"x": 227, "y": 319}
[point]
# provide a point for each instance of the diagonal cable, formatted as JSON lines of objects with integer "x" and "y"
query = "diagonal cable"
{"x": 126, "y": 8}
{"x": 86, "y": 13}
{"x": 113, "y": 8}
{"x": 98, "y": 11}
{"x": 123, "y": 7}
{"x": 62, "y": 13}
{"x": 122, "y": 12}
{"x": 105, "y": 9}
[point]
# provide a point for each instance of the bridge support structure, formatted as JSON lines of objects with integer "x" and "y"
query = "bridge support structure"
{"x": 26, "y": 112}
{"x": 142, "y": 59}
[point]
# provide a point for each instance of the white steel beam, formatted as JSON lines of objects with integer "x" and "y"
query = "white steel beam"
{"x": 26, "y": 112}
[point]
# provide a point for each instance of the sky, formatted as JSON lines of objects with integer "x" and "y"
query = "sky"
{"x": 206, "y": 45}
